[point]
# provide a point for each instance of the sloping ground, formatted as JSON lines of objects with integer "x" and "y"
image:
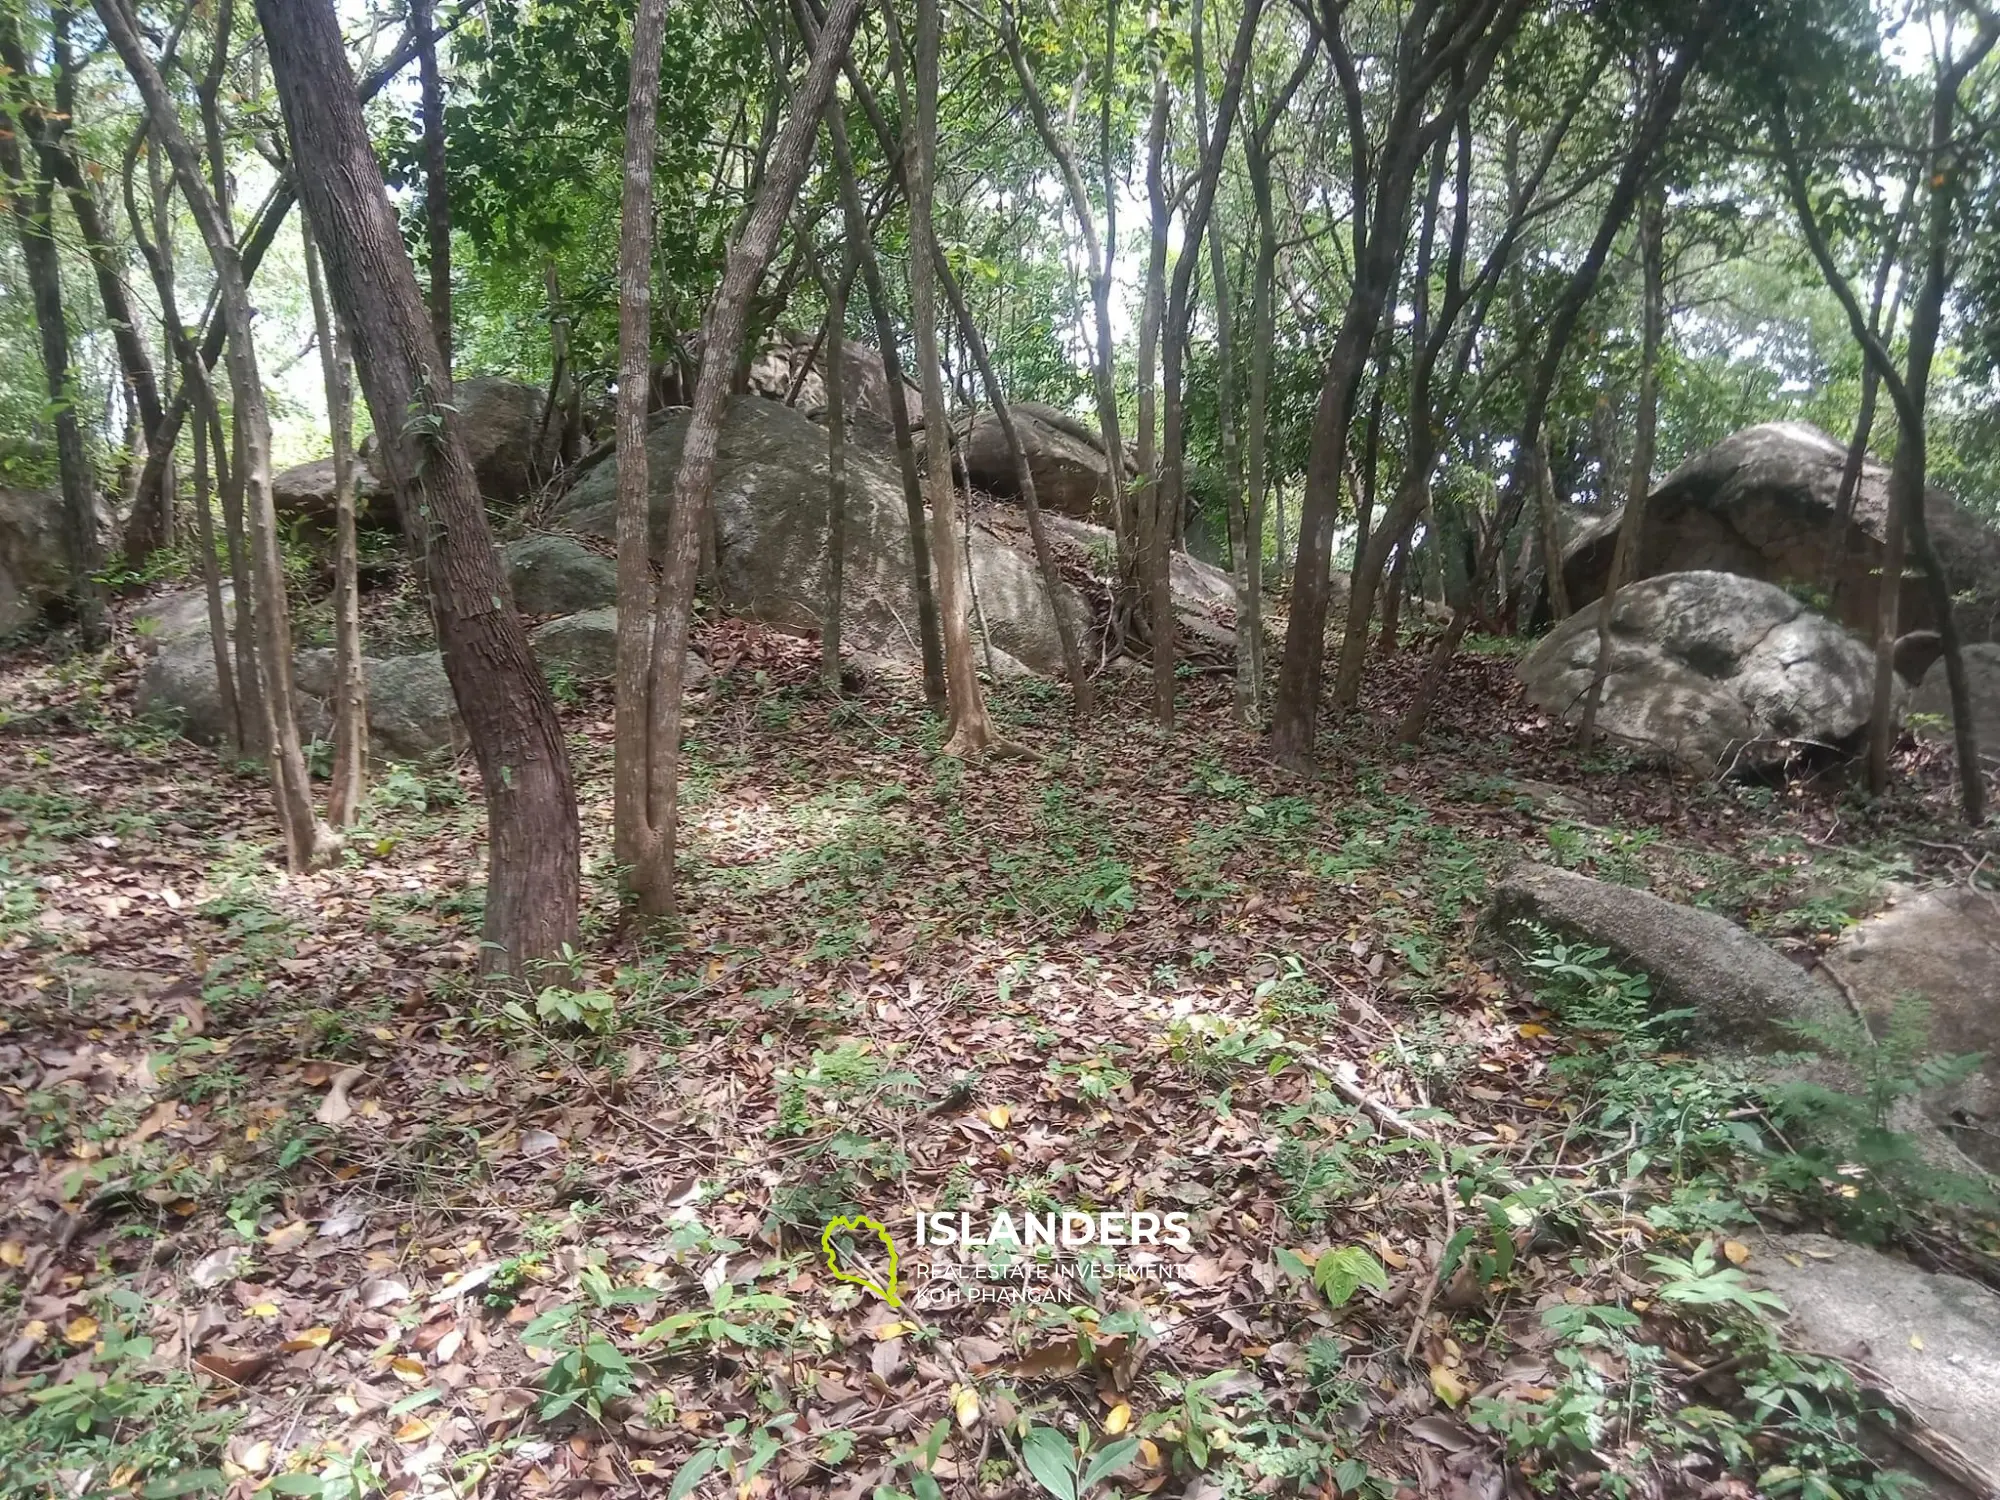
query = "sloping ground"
{"x": 367, "y": 1223}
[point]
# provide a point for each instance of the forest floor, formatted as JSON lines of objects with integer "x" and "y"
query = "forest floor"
{"x": 286, "y": 1202}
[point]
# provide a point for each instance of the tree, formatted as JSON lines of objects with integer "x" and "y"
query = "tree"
{"x": 31, "y": 198}
{"x": 1941, "y": 158}
{"x": 307, "y": 841}
{"x": 532, "y": 871}
{"x": 648, "y": 781}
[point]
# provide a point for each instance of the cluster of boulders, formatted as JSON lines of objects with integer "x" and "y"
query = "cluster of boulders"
{"x": 1715, "y": 662}
{"x": 769, "y": 513}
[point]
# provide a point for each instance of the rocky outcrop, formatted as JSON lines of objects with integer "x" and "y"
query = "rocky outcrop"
{"x": 1762, "y": 503}
{"x": 1932, "y": 700}
{"x": 1929, "y": 1342}
{"x": 1743, "y": 993}
{"x": 1940, "y": 947}
{"x": 1065, "y": 456}
{"x": 585, "y": 646}
{"x": 500, "y": 420}
{"x": 770, "y": 512}
{"x": 33, "y": 568}
{"x": 1714, "y": 671}
{"x": 557, "y": 575}
{"x": 305, "y": 492}
{"x": 795, "y": 358}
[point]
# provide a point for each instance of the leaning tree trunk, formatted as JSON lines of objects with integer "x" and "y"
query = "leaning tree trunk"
{"x": 861, "y": 237}
{"x": 531, "y": 886}
{"x": 350, "y": 691}
{"x": 307, "y": 840}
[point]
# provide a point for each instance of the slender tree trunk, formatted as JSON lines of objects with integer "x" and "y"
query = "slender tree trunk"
{"x": 1149, "y": 510}
{"x": 532, "y": 874}
{"x": 1024, "y": 479}
{"x": 307, "y": 840}
{"x": 969, "y": 729}
{"x": 34, "y": 221}
{"x": 1631, "y": 528}
{"x": 1906, "y": 483}
{"x": 437, "y": 190}
{"x": 350, "y": 691}
{"x": 226, "y": 454}
{"x": 1549, "y": 522}
{"x": 637, "y": 839}
{"x": 1098, "y": 257}
{"x": 836, "y": 471}
{"x": 861, "y": 237}
{"x": 651, "y": 779}
{"x": 211, "y": 582}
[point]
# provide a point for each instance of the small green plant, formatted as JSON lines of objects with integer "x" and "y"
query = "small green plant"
{"x": 588, "y": 1370}
{"x": 594, "y": 1011}
{"x": 1337, "y": 1274}
{"x": 1069, "y": 1470}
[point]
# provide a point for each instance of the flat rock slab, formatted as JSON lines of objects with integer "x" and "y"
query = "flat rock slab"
{"x": 1933, "y": 1340}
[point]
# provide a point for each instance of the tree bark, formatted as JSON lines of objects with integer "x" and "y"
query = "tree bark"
{"x": 836, "y": 472}
{"x": 307, "y": 840}
{"x": 651, "y": 804}
{"x": 211, "y": 583}
{"x": 1631, "y": 527}
{"x": 532, "y": 874}
{"x": 33, "y": 203}
{"x": 861, "y": 235}
{"x": 350, "y": 691}
{"x": 969, "y": 729}
{"x": 437, "y": 188}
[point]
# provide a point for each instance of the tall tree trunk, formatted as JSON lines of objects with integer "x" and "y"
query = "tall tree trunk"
{"x": 1024, "y": 479}
{"x": 350, "y": 692}
{"x": 1631, "y": 527}
{"x": 211, "y": 583}
{"x": 861, "y": 236}
{"x": 226, "y": 452}
{"x": 1548, "y": 517}
{"x": 437, "y": 190}
{"x": 1149, "y": 510}
{"x": 650, "y": 781}
{"x": 1657, "y": 116}
{"x": 969, "y": 729}
{"x": 532, "y": 874}
{"x": 33, "y": 202}
{"x": 637, "y": 840}
{"x": 1098, "y": 258}
{"x": 836, "y": 471}
{"x": 307, "y": 840}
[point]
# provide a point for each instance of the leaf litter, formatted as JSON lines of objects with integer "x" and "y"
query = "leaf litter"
{"x": 411, "y": 1243}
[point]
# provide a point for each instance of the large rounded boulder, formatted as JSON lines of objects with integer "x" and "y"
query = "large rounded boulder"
{"x": 1065, "y": 458}
{"x": 1765, "y": 503}
{"x": 1713, "y": 671}
{"x": 33, "y": 568}
{"x": 770, "y": 514}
